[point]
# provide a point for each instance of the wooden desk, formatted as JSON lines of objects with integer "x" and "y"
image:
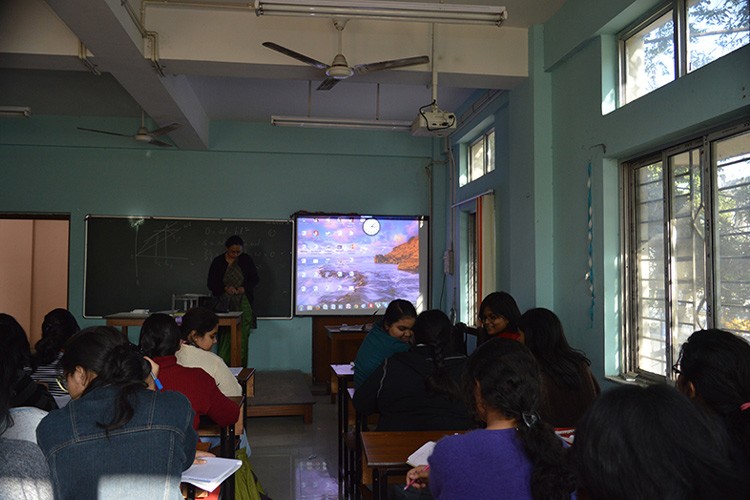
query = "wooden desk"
{"x": 231, "y": 319}
{"x": 385, "y": 453}
{"x": 321, "y": 344}
{"x": 343, "y": 346}
{"x": 227, "y": 438}
{"x": 246, "y": 379}
{"x": 341, "y": 375}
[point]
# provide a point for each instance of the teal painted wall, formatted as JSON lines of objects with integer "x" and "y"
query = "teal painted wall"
{"x": 555, "y": 126}
{"x": 581, "y": 81}
{"x": 251, "y": 171}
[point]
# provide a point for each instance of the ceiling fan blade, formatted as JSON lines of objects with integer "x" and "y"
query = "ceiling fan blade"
{"x": 165, "y": 129}
{"x": 394, "y": 63}
{"x": 157, "y": 142}
{"x": 104, "y": 132}
{"x": 328, "y": 83}
{"x": 295, "y": 55}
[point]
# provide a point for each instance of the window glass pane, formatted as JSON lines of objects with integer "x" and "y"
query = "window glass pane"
{"x": 649, "y": 58}
{"x": 688, "y": 242}
{"x": 476, "y": 160}
{"x": 732, "y": 157}
{"x": 715, "y": 28}
{"x": 463, "y": 166}
{"x": 491, "y": 151}
{"x": 650, "y": 293}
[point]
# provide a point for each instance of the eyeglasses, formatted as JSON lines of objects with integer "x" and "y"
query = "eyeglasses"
{"x": 676, "y": 367}
{"x": 62, "y": 383}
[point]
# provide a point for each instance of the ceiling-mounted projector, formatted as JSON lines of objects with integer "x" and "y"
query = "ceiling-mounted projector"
{"x": 433, "y": 122}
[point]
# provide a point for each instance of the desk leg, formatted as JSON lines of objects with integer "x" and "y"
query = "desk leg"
{"x": 236, "y": 355}
{"x": 377, "y": 484}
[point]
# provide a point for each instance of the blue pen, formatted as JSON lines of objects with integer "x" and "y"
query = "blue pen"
{"x": 157, "y": 382}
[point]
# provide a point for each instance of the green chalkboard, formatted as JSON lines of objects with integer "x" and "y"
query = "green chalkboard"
{"x": 139, "y": 262}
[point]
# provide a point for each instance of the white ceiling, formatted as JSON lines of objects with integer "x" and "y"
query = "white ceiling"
{"x": 216, "y": 68}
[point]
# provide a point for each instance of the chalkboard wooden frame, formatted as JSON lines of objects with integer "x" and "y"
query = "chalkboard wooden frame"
{"x": 138, "y": 262}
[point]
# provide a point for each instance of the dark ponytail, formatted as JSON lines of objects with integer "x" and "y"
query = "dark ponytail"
{"x": 58, "y": 326}
{"x": 115, "y": 361}
{"x": 433, "y": 329}
{"x": 508, "y": 379}
{"x": 717, "y": 363}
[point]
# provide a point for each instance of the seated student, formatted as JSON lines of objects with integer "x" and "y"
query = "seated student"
{"x": 568, "y": 386}
{"x": 385, "y": 339}
{"x": 516, "y": 453}
{"x": 419, "y": 389}
{"x": 16, "y": 359}
{"x": 714, "y": 371}
{"x": 58, "y": 326}
{"x": 651, "y": 443}
{"x": 498, "y": 315}
{"x": 159, "y": 340}
{"x": 115, "y": 439}
{"x": 199, "y": 327}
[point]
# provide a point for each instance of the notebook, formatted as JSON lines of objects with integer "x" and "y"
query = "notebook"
{"x": 420, "y": 456}
{"x": 208, "y": 476}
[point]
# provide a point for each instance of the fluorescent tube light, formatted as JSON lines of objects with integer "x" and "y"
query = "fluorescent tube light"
{"x": 24, "y": 111}
{"x": 341, "y": 123}
{"x": 390, "y": 11}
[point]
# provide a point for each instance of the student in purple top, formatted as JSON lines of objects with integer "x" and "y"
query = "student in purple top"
{"x": 516, "y": 455}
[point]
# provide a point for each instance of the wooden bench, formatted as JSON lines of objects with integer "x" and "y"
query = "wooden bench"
{"x": 281, "y": 393}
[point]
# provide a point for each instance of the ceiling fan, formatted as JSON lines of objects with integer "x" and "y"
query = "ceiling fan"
{"x": 143, "y": 134}
{"x": 339, "y": 69}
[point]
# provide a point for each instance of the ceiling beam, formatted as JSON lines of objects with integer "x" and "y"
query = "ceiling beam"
{"x": 115, "y": 41}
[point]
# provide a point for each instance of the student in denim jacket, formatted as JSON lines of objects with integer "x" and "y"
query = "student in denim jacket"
{"x": 116, "y": 438}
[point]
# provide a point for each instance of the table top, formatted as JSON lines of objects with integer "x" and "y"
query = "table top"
{"x": 391, "y": 449}
{"x": 343, "y": 370}
{"x": 360, "y": 329}
{"x": 144, "y": 315}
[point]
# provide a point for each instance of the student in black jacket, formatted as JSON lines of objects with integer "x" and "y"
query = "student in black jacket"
{"x": 419, "y": 389}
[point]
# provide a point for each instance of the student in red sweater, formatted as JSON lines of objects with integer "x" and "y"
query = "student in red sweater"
{"x": 160, "y": 340}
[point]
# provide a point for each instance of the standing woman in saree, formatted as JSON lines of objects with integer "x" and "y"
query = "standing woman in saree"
{"x": 232, "y": 278}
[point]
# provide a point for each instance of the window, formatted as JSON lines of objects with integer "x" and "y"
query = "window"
{"x": 688, "y": 245}
{"x": 680, "y": 37}
{"x": 480, "y": 158}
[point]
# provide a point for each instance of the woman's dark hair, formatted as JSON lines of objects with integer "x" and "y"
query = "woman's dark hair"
{"x": 234, "y": 240}
{"x": 653, "y": 443}
{"x": 433, "y": 329}
{"x": 717, "y": 363}
{"x": 398, "y": 309}
{"x": 502, "y": 304}
{"x": 14, "y": 357}
{"x": 508, "y": 380}
{"x": 160, "y": 336}
{"x": 201, "y": 320}
{"x": 58, "y": 326}
{"x": 544, "y": 336}
{"x": 106, "y": 352}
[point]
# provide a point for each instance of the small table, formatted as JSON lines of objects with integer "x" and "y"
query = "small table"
{"x": 385, "y": 453}
{"x": 344, "y": 345}
{"x": 231, "y": 319}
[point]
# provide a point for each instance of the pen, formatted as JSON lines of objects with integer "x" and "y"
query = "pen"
{"x": 157, "y": 382}
{"x": 415, "y": 480}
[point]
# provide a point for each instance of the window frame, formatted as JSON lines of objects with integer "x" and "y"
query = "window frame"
{"x": 679, "y": 9}
{"x": 467, "y": 165}
{"x": 629, "y": 356}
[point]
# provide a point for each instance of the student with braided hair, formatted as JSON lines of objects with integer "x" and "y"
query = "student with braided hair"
{"x": 714, "y": 371}
{"x": 116, "y": 438}
{"x": 419, "y": 389}
{"x": 516, "y": 455}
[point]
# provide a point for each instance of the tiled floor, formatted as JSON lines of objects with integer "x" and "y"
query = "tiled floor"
{"x": 294, "y": 460}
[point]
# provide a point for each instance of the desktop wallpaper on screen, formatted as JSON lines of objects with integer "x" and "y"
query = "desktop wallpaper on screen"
{"x": 357, "y": 264}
